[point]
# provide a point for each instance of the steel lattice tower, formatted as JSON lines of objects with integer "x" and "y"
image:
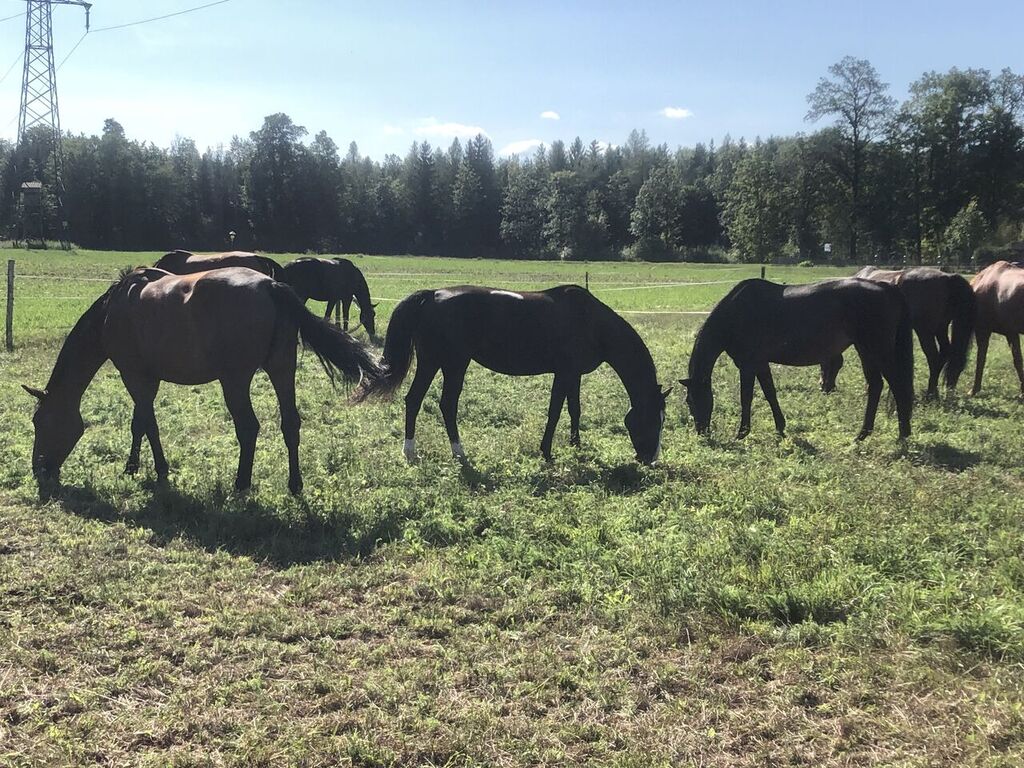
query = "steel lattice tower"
{"x": 39, "y": 85}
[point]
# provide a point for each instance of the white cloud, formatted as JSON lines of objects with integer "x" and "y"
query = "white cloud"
{"x": 520, "y": 147}
{"x": 550, "y": 114}
{"x": 392, "y": 130}
{"x": 431, "y": 126}
{"x": 676, "y": 113}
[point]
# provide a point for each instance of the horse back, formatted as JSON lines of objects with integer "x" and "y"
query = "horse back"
{"x": 193, "y": 328}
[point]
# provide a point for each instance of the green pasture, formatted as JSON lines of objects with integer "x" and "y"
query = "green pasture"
{"x": 797, "y": 601}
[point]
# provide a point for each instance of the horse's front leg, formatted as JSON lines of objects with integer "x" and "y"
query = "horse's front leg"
{"x": 346, "y": 304}
{"x": 873, "y": 375}
{"x": 1014, "y": 341}
{"x": 935, "y": 361}
{"x": 554, "y": 411}
{"x": 764, "y": 376}
{"x": 746, "y": 399}
{"x": 979, "y": 363}
{"x": 143, "y": 393}
{"x": 247, "y": 426}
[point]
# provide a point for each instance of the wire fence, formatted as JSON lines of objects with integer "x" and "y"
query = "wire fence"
{"x": 38, "y": 326}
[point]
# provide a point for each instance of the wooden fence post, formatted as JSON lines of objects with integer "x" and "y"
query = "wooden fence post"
{"x": 586, "y": 280}
{"x": 10, "y": 305}
{"x": 762, "y": 271}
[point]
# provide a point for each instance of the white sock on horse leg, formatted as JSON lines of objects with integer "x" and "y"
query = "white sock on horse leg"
{"x": 457, "y": 451}
{"x": 409, "y": 449}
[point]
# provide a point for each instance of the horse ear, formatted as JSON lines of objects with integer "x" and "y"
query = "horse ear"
{"x": 666, "y": 393}
{"x": 374, "y": 304}
{"x": 685, "y": 382}
{"x": 38, "y": 394}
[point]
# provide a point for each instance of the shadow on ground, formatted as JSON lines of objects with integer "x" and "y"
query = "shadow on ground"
{"x": 947, "y": 457}
{"x": 240, "y": 525}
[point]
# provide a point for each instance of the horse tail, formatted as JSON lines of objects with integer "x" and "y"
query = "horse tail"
{"x": 338, "y": 352}
{"x": 273, "y": 269}
{"x": 904, "y": 373}
{"x": 398, "y": 347}
{"x": 962, "y": 307}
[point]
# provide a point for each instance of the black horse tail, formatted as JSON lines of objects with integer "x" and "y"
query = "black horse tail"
{"x": 961, "y": 307}
{"x": 338, "y": 352}
{"x": 273, "y": 269}
{"x": 904, "y": 374}
{"x": 398, "y": 347}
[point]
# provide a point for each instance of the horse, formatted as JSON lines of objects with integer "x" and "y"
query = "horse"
{"x": 219, "y": 325}
{"x": 563, "y": 330}
{"x": 936, "y": 300}
{"x": 999, "y": 292}
{"x": 759, "y": 323}
{"x": 332, "y": 280}
{"x": 186, "y": 263}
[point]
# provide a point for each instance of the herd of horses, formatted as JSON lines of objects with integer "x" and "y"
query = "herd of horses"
{"x": 194, "y": 319}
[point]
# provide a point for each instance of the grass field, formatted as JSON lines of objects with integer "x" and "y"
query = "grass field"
{"x": 804, "y": 601}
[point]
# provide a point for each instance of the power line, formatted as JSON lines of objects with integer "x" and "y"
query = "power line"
{"x": 15, "y": 16}
{"x": 73, "y": 49}
{"x": 13, "y": 64}
{"x": 160, "y": 18}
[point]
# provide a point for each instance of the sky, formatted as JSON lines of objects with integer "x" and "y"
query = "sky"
{"x": 385, "y": 74}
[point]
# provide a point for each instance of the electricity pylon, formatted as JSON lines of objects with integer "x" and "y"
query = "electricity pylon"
{"x": 39, "y": 88}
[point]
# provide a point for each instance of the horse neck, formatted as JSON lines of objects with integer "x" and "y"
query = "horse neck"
{"x": 706, "y": 349}
{"x": 629, "y": 357}
{"x": 80, "y": 357}
{"x": 360, "y": 290}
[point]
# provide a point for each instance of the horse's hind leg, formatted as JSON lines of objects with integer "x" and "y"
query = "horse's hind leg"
{"x": 1014, "y": 342}
{"x": 454, "y": 376}
{"x": 764, "y": 376}
{"x": 746, "y": 399}
{"x": 554, "y": 411}
{"x": 572, "y": 395}
{"x": 143, "y": 392}
{"x": 247, "y": 426}
{"x": 331, "y": 304}
{"x": 873, "y": 375}
{"x": 979, "y": 364}
{"x": 425, "y": 372}
{"x": 935, "y": 360}
{"x": 282, "y": 377}
{"x": 346, "y": 304}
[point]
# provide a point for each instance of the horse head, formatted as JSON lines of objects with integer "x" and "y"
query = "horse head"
{"x": 700, "y": 400}
{"x": 58, "y": 427}
{"x": 644, "y": 422}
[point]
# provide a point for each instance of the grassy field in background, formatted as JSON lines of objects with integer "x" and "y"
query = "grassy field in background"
{"x": 803, "y": 601}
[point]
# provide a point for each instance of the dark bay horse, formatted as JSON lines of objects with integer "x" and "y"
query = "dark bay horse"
{"x": 999, "y": 292}
{"x": 563, "y": 330}
{"x": 221, "y": 325}
{"x": 759, "y": 323}
{"x": 332, "y": 280}
{"x": 936, "y": 300}
{"x": 187, "y": 263}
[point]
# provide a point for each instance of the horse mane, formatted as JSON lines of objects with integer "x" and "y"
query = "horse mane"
{"x": 85, "y": 329}
{"x": 361, "y": 289}
{"x": 641, "y": 361}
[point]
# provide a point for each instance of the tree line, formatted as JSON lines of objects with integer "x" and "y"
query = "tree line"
{"x": 935, "y": 178}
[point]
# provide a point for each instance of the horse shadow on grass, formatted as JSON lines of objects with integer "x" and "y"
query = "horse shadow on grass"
{"x": 240, "y": 525}
{"x": 946, "y": 457}
{"x": 624, "y": 479}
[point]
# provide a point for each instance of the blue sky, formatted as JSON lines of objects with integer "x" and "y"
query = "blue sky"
{"x": 387, "y": 73}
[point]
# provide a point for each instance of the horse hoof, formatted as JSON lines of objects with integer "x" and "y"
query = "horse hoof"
{"x": 862, "y": 436}
{"x": 742, "y": 434}
{"x": 131, "y": 469}
{"x": 295, "y": 488}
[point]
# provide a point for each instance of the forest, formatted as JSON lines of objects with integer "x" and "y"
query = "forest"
{"x": 934, "y": 179}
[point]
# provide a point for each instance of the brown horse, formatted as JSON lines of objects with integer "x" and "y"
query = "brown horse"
{"x": 332, "y": 280}
{"x": 999, "y": 292}
{"x": 759, "y": 323}
{"x": 563, "y": 330}
{"x": 187, "y": 263}
{"x": 221, "y": 325}
{"x": 936, "y": 300}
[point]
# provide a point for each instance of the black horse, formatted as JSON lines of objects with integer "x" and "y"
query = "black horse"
{"x": 332, "y": 280}
{"x": 563, "y": 330}
{"x": 937, "y": 300}
{"x": 759, "y": 323}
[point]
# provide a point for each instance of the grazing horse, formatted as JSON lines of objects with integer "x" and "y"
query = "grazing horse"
{"x": 221, "y": 325}
{"x": 999, "y": 292}
{"x": 332, "y": 280}
{"x": 187, "y": 263}
{"x": 936, "y": 300}
{"x": 759, "y": 323}
{"x": 563, "y": 330}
